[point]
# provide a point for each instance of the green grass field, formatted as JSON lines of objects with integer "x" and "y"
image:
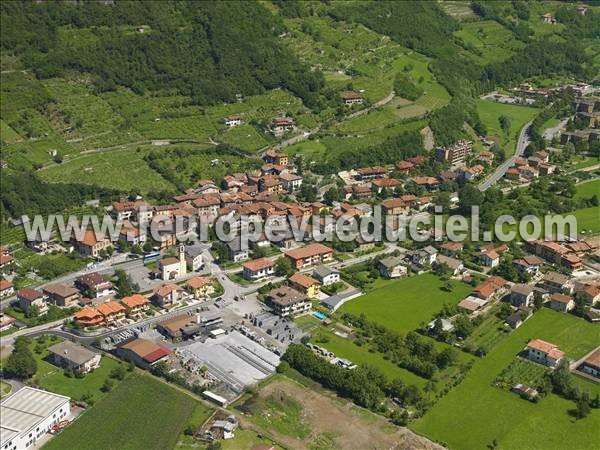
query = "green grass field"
{"x": 488, "y": 41}
{"x": 405, "y": 304}
{"x": 124, "y": 170}
{"x": 588, "y": 220}
{"x": 53, "y": 379}
{"x": 141, "y": 413}
{"x": 490, "y": 113}
{"x": 506, "y": 417}
{"x": 587, "y": 190}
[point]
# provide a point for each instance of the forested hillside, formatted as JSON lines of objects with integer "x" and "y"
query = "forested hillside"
{"x": 205, "y": 50}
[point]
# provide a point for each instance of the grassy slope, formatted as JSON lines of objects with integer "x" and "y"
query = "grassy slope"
{"x": 124, "y": 170}
{"x": 490, "y": 113}
{"x": 504, "y": 416}
{"x": 142, "y": 413}
{"x": 404, "y": 304}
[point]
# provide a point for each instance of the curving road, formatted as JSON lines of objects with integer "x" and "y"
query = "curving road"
{"x": 522, "y": 143}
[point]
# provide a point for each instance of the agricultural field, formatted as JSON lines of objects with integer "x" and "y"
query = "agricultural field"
{"x": 125, "y": 170}
{"x": 301, "y": 417}
{"x": 488, "y": 41}
{"x": 406, "y": 304}
{"x": 82, "y": 118}
{"x": 489, "y": 333}
{"x": 53, "y": 379}
{"x": 120, "y": 420}
{"x": 508, "y": 418}
{"x": 490, "y": 113}
{"x": 196, "y": 420}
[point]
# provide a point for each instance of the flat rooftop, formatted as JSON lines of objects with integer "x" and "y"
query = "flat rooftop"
{"x": 235, "y": 359}
{"x": 26, "y": 408}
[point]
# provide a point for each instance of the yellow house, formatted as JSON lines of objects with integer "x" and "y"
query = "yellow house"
{"x": 201, "y": 287}
{"x": 305, "y": 284}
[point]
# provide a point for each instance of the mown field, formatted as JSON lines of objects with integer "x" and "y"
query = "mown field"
{"x": 141, "y": 413}
{"x": 588, "y": 219}
{"x": 53, "y": 379}
{"x": 490, "y": 113}
{"x": 504, "y": 416}
{"x": 405, "y": 304}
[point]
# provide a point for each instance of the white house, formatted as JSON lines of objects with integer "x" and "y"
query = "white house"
{"x": 326, "y": 275}
{"x": 290, "y": 181}
{"x": 232, "y": 121}
{"x": 392, "y": 267}
{"x": 193, "y": 258}
{"x": 258, "y": 269}
{"x": 544, "y": 353}
{"x": 28, "y": 414}
{"x": 67, "y": 354}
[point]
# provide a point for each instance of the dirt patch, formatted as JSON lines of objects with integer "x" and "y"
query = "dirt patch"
{"x": 337, "y": 423}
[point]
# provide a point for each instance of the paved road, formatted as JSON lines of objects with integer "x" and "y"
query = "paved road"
{"x": 105, "y": 267}
{"x": 522, "y": 143}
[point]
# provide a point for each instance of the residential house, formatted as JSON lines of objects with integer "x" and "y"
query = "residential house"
{"x": 379, "y": 184}
{"x": 73, "y": 356}
{"x": 167, "y": 295}
{"x": 521, "y": 295}
{"x": 6, "y": 288}
{"x": 529, "y": 264}
{"x": 6, "y": 321}
{"x": 135, "y": 305}
{"x": 424, "y": 256}
{"x": 370, "y": 173}
{"x": 200, "y": 287}
{"x": 132, "y": 236}
{"x": 516, "y": 319}
{"x": 326, "y": 275}
{"x": 305, "y": 284}
{"x": 282, "y": 125}
{"x": 489, "y": 288}
{"x": 426, "y": 182}
{"x": 392, "y": 267}
{"x": 286, "y": 301}
{"x": 589, "y": 293}
{"x": 91, "y": 245}
{"x": 111, "y": 311}
{"x": 94, "y": 285}
{"x": 489, "y": 258}
{"x": 591, "y": 364}
{"x": 451, "y": 248}
{"x": 62, "y": 294}
{"x": 455, "y": 266}
{"x": 193, "y": 258}
{"x": 394, "y": 206}
{"x": 88, "y": 317}
{"x": 405, "y": 167}
{"x": 290, "y": 181}
{"x": 28, "y": 297}
{"x": 309, "y": 255}
{"x": 232, "y": 121}
{"x": 350, "y": 98}
{"x": 276, "y": 157}
{"x": 7, "y": 264}
{"x": 557, "y": 282}
{"x": 143, "y": 353}
{"x": 236, "y": 252}
{"x": 258, "y": 269}
{"x": 544, "y": 353}
{"x": 561, "y": 302}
